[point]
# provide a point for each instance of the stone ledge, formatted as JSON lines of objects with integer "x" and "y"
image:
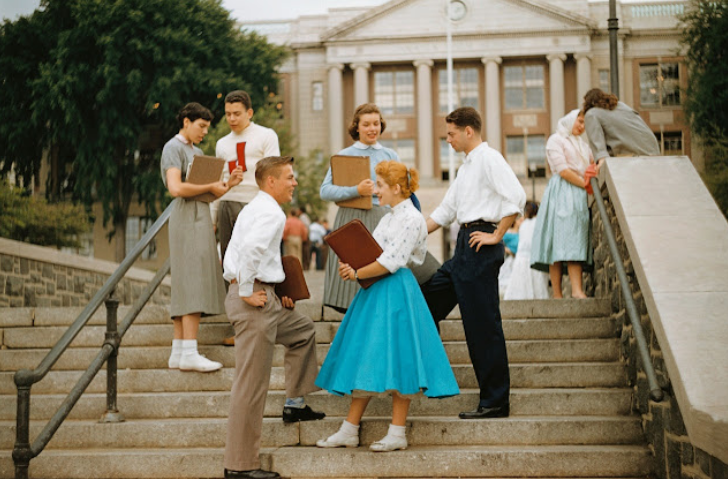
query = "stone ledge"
{"x": 676, "y": 237}
{"x": 49, "y": 255}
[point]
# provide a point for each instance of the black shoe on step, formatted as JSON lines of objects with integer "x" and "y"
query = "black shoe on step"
{"x": 254, "y": 474}
{"x": 296, "y": 414}
{"x": 485, "y": 412}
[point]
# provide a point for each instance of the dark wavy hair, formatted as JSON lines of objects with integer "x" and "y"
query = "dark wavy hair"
{"x": 363, "y": 110}
{"x": 193, "y": 111}
{"x": 597, "y": 98}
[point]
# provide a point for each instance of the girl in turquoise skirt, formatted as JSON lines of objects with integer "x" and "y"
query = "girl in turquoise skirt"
{"x": 388, "y": 342}
{"x": 562, "y": 225}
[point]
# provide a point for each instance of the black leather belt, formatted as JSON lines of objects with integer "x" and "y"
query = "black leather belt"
{"x": 473, "y": 224}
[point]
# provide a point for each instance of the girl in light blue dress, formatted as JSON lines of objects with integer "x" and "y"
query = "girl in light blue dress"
{"x": 561, "y": 234}
{"x": 387, "y": 342}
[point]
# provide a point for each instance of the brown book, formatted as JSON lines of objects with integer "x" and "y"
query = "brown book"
{"x": 205, "y": 170}
{"x": 350, "y": 171}
{"x": 294, "y": 286}
{"x": 355, "y": 245}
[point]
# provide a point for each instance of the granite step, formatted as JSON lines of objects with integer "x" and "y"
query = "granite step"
{"x": 523, "y": 375}
{"x": 308, "y": 462}
{"x": 155, "y": 357}
{"x": 212, "y": 404}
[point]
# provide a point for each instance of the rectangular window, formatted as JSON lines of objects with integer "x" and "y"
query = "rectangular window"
{"x": 524, "y": 87}
{"x": 394, "y": 92}
{"x": 671, "y": 143}
{"x": 317, "y": 96}
{"x": 604, "y": 83}
{"x": 526, "y": 152}
{"x": 445, "y": 150}
{"x": 405, "y": 150}
{"x": 136, "y": 227}
{"x": 464, "y": 86}
{"x": 660, "y": 84}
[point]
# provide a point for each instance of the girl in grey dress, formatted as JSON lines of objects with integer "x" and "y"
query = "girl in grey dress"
{"x": 197, "y": 284}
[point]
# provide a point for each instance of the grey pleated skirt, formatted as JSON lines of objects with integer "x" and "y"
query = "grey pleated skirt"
{"x": 197, "y": 284}
{"x": 339, "y": 293}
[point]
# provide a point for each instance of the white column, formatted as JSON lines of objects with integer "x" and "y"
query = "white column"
{"x": 336, "y": 108}
{"x": 583, "y": 76}
{"x": 556, "y": 86}
{"x": 492, "y": 101}
{"x": 361, "y": 83}
{"x": 424, "y": 118}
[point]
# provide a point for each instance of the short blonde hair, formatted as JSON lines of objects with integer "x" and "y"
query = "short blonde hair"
{"x": 395, "y": 173}
{"x": 270, "y": 166}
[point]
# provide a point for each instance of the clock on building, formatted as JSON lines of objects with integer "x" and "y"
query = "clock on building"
{"x": 458, "y": 10}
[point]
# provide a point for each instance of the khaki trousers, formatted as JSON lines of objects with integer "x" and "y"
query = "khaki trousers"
{"x": 257, "y": 330}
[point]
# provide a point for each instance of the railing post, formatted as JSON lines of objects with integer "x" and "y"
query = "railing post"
{"x": 113, "y": 339}
{"x": 22, "y": 453}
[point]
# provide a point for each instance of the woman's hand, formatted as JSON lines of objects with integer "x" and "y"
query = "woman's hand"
{"x": 235, "y": 177}
{"x": 219, "y": 188}
{"x": 365, "y": 188}
{"x": 346, "y": 272}
{"x": 257, "y": 299}
{"x": 481, "y": 238}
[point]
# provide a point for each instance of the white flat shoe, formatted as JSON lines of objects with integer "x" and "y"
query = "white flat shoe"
{"x": 173, "y": 362}
{"x": 199, "y": 363}
{"x": 339, "y": 440}
{"x": 389, "y": 443}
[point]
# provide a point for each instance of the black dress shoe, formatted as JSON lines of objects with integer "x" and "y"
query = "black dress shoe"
{"x": 254, "y": 474}
{"x": 485, "y": 412}
{"x": 296, "y": 414}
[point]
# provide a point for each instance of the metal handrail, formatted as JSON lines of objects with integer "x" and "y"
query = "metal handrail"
{"x": 23, "y": 451}
{"x": 656, "y": 393}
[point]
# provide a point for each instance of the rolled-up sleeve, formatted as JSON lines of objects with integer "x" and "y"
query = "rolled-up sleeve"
{"x": 506, "y": 184}
{"x": 446, "y": 213}
{"x": 596, "y": 135}
{"x": 252, "y": 246}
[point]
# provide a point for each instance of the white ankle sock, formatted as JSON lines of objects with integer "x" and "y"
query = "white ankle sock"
{"x": 398, "y": 431}
{"x": 176, "y": 346}
{"x": 349, "y": 429}
{"x": 189, "y": 347}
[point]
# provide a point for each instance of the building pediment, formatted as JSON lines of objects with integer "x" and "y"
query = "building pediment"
{"x": 426, "y": 18}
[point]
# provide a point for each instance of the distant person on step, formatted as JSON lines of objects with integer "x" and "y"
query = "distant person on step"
{"x": 561, "y": 234}
{"x": 615, "y": 129}
{"x": 485, "y": 198}
{"x": 261, "y": 320}
{"x": 387, "y": 343}
{"x": 197, "y": 285}
{"x": 246, "y": 144}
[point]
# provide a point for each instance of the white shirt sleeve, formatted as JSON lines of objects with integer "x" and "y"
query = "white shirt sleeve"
{"x": 271, "y": 147}
{"x": 447, "y": 212}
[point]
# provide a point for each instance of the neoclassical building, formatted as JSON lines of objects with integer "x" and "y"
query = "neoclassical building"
{"x": 522, "y": 63}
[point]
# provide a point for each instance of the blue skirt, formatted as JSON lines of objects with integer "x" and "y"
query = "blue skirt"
{"x": 388, "y": 341}
{"x": 562, "y": 231}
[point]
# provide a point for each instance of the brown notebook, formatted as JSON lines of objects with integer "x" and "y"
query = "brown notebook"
{"x": 350, "y": 171}
{"x": 294, "y": 286}
{"x": 355, "y": 245}
{"x": 205, "y": 170}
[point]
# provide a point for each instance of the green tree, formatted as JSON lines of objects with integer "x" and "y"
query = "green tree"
{"x": 705, "y": 37}
{"x": 112, "y": 81}
{"x": 33, "y": 220}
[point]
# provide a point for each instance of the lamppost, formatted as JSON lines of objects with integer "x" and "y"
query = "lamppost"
{"x": 613, "y": 26}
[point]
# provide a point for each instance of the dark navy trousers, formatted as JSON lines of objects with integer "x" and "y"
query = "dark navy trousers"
{"x": 471, "y": 280}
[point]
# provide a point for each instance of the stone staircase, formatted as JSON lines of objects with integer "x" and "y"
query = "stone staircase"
{"x": 570, "y": 404}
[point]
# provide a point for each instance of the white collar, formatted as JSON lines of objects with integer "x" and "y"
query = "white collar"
{"x": 468, "y": 158}
{"x": 363, "y": 146}
{"x": 183, "y": 140}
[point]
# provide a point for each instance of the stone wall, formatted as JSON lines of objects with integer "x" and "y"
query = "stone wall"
{"x": 676, "y": 457}
{"x": 32, "y": 276}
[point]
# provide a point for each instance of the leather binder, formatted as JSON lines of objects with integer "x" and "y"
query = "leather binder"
{"x": 294, "y": 286}
{"x": 350, "y": 171}
{"x": 205, "y": 170}
{"x": 355, "y": 245}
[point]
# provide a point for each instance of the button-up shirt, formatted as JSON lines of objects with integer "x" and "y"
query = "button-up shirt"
{"x": 254, "y": 251}
{"x": 402, "y": 234}
{"x": 485, "y": 189}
